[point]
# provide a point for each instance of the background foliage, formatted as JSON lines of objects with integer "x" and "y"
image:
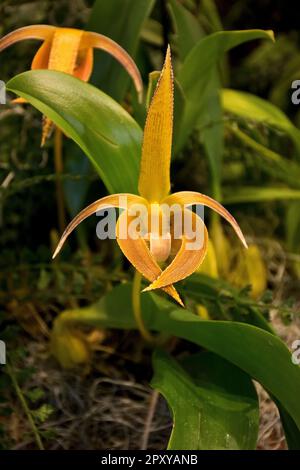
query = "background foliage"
{"x": 236, "y": 137}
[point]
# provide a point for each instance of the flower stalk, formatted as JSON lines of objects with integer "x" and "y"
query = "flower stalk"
{"x": 137, "y": 310}
{"x": 58, "y": 164}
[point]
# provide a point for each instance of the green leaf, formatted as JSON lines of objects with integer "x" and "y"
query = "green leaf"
{"x": 106, "y": 133}
{"x": 269, "y": 161}
{"x": 35, "y": 394}
{"x": 258, "y": 194}
{"x": 212, "y": 132}
{"x": 122, "y": 21}
{"x": 202, "y": 288}
{"x": 199, "y": 68}
{"x": 209, "y": 9}
{"x": 187, "y": 28}
{"x": 152, "y": 83}
{"x": 252, "y": 349}
{"x": 256, "y": 109}
{"x": 42, "y": 413}
{"x": 214, "y": 404}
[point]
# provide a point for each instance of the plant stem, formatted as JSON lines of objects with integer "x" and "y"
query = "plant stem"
{"x": 58, "y": 163}
{"x": 26, "y": 409}
{"x": 136, "y": 305}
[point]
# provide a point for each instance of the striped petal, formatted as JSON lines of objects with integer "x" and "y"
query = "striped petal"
{"x": 38, "y": 31}
{"x": 188, "y": 198}
{"x": 154, "y": 182}
{"x": 98, "y": 41}
{"x": 64, "y": 49}
{"x": 122, "y": 201}
{"x": 137, "y": 252}
{"x": 190, "y": 255}
{"x": 60, "y": 54}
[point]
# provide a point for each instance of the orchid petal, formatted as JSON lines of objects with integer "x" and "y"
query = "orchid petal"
{"x": 154, "y": 182}
{"x": 38, "y": 31}
{"x": 41, "y": 61}
{"x": 138, "y": 253}
{"x": 122, "y": 201}
{"x": 188, "y": 198}
{"x": 99, "y": 41}
{"x": 189, "y": 257}
{"x": 19, "y": 101}
{"x": 60, "y": 53}
{"x": 84, "y": 65}
{"x": 64, "y": 49}
{"x": 41, "y": 58}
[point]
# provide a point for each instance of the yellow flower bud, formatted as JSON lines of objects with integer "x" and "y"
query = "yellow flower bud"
{"x": 69, "y": 348}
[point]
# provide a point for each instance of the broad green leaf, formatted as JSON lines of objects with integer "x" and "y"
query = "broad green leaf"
{"x": 259, "y": 353}
{"x": 211, "y": 114}
{"x": 187, "y": 28}
{"x": 106, "y": 133}
{"x": 255, "y": 108}
{"x": 204, "y": 289}
{"x": 214, "y": 404}
{"x": 122, "y": 21}
{"x": 259, "y": 194}
{"x": 212, "y": 132}
{"x": 211, "y": 13}
{"x": 199, "y": 67}
{"x": 209, "y": 9}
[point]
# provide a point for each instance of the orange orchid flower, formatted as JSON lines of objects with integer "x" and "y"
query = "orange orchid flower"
{"x": 71, "y": 51}
{"x": 146, "y": 253}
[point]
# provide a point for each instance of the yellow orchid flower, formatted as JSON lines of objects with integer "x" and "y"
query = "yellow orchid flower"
{"x": 69, "y": 50}
{"x": 147, "y": 253}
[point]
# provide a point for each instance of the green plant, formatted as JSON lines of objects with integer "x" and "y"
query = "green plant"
{"x": 237, "y": 344}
